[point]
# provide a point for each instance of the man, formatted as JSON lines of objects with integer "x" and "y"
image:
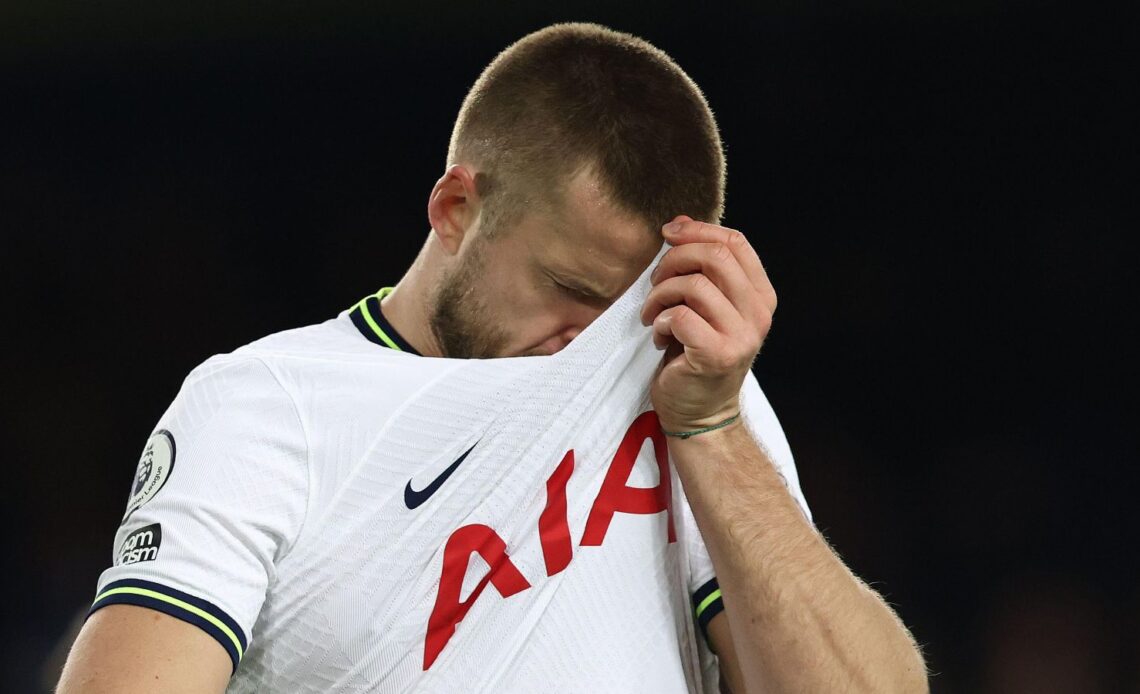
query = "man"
{"x": 298, "y": 555}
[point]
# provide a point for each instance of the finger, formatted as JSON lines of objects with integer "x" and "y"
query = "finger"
{"x": 687, "y": 327}
{"x": 715, "y": 262}
{"x": 698, "y": 293}
{"x": 693, "y": 231}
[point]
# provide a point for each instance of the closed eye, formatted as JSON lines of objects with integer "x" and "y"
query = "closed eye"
{"x": 578, "y": 293}
{"x": 585, "y": 296}
{"x": 574, "y": 292}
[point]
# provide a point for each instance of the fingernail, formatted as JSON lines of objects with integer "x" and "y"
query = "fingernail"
{"x": 653, "y": 275}
{"x": 672, "y": 228}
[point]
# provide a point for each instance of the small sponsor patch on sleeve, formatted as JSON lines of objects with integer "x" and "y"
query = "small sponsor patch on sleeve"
{"x": 141, "y": 545}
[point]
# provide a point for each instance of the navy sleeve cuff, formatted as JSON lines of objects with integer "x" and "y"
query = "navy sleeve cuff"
{"x": 201, "y": 613}
{"x": 707, "y": 603}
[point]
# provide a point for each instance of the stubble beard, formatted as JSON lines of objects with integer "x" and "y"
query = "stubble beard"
{"x": 459, "y": 318}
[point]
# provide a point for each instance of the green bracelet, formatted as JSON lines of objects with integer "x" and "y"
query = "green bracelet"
{"x": 688, "y": 434}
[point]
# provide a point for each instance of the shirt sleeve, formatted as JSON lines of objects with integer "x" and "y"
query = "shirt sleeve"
{"x": 217, "y": 500}
{"x": 765, "y": 428}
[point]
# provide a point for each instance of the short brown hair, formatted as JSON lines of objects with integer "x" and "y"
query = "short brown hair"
{"x": 578, "y": 94}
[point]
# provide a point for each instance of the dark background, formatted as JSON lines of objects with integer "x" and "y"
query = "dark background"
{"x": 938, "y": 193}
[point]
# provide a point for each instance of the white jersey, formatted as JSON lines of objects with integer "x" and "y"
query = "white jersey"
{"x": 342, "y": 514}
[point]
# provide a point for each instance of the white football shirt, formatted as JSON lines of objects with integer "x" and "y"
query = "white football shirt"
{"x": 342, "y": 514}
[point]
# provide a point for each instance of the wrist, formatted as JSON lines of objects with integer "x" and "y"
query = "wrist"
{"x": 674, "y": 420}
{"x": 719, "y": 436}
{"x": 701, "y": 430}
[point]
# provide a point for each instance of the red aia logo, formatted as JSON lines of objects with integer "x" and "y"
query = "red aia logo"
{"x": 553, "y": 531}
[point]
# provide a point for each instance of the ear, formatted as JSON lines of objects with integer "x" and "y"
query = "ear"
{"x": 453, "y": 207}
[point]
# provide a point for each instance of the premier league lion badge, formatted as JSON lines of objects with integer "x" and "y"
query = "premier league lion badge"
{"x": 154, "y": 469}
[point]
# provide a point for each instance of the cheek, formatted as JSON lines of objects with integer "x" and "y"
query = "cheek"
{"x": 532, "y": 316}
{"x": 512, "y": 303}
{"x": 559, "y": 322}
{"x": 524, "y": 306}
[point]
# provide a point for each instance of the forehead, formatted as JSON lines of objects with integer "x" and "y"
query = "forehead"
{"x": 594, "y": 240}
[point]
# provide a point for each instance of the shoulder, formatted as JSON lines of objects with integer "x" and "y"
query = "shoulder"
{"x": 325, "y": 383}
{"x": 335, "y": 336}
{"x": 332, "y": 351}
{"x": 224, "y": 382}
{"x": 292, "y": 362}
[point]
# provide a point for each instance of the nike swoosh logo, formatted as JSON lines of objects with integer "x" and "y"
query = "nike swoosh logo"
{"x": 413, "y": 499}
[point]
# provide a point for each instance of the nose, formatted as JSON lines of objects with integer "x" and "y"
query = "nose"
{"x": 583, "y": 317}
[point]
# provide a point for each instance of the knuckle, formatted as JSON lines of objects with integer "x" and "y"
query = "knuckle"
{"x": 764, "y": 321}
{"x": 698, "y": 281}
{"x": 748, "y": 349}
{"x": 721, "y": 252}
{"x": 736, "y": 239}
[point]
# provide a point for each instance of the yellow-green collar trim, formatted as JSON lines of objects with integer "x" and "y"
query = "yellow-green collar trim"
{"x": 369, "y": 320}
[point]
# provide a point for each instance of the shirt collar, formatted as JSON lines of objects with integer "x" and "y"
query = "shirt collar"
{"x": 370, "y": 321}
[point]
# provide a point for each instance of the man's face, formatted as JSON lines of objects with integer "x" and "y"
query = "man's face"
{"x": 534, "y": 287}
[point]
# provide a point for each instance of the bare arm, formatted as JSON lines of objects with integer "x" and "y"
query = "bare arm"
{"x": 797, "y": 619}
{"x": 126, "y": 649}
{"x": 731, "y": 678}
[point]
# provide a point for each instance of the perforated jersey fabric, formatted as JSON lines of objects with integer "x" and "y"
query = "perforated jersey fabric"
{"x": 344, "y": 517}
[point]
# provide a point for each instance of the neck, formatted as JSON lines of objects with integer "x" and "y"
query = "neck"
{"x": 408, "y": 307}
